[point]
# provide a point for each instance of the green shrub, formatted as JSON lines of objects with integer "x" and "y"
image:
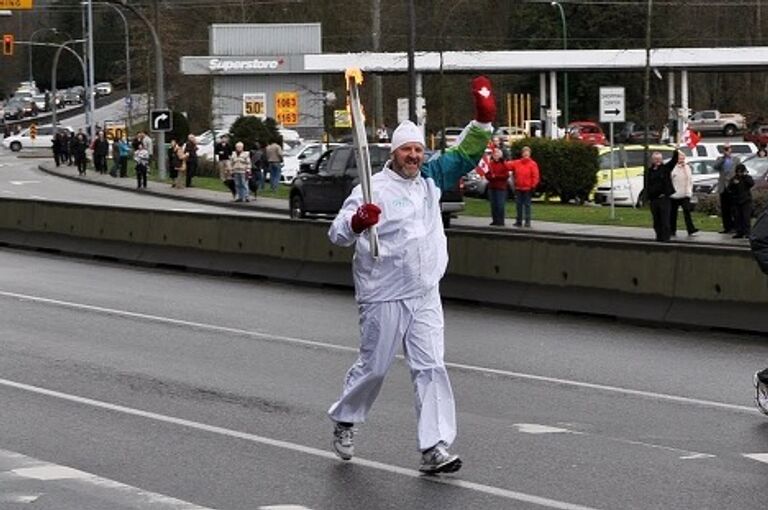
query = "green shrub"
{"x": 568, "y": 168}
{"x": 250, "y": 130}
{"x": 710, "y": 204}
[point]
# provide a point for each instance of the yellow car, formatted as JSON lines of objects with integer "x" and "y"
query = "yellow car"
{"x": 628, "y": 161}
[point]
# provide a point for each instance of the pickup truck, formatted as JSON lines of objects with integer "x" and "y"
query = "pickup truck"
{"x": 758, "y": 136}
{"x": 321, "y": 187}
{"x": 713, "y": 121}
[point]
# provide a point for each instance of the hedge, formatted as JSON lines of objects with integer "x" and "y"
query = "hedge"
{"x": 710, "y": 204}
{"x": 568, "y": 168}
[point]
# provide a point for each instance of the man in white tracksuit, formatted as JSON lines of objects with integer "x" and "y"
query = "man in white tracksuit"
{"x": 398, "y": 293}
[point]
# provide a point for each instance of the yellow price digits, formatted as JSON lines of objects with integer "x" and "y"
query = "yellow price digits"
{"x": 254, "y": 108}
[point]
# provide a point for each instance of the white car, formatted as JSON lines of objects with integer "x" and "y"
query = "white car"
{"x": 629, "y": 191}
{"x": 715, "y": 150}
{"x": 308, "y": 152}
{"x": 205, "y": 143}
{"x": 103, "y": 89}
{"x": 44, "y": 139}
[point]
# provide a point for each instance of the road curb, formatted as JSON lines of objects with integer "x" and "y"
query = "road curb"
{"x": 249, "y": 206}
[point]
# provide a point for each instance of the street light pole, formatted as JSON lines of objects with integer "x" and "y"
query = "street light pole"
{"x": 56, "y": 56}
{"x": 89, "y": 91}
{"x": 29, "y": 53}
{"x": 127, "y": 61}
{"x": 159, "y": 83}
{"x": 411, "y": 62}
{"x": 566, "y": 112}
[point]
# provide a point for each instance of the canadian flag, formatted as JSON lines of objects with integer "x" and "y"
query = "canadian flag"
{"x": 691, "y": 138}
{"x": 482, "y": 168}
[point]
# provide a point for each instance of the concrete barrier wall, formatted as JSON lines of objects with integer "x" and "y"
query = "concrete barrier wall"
{"x": 685, "y": 284}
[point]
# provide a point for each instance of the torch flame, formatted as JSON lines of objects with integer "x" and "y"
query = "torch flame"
{"x": 353, "y": 72}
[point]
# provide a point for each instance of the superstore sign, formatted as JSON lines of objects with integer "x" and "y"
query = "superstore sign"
{"x": 256, "y": 64}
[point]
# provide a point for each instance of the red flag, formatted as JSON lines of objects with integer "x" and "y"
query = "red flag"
{"x": 691, "y": 138}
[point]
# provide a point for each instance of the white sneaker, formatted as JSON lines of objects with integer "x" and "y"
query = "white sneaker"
{"x": 761, "y": 394}
{"x": 439, "y": 460}
{"x": 343, "y": 441}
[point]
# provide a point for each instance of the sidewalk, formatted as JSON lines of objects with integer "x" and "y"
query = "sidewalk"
{"x": 273, "y": 205}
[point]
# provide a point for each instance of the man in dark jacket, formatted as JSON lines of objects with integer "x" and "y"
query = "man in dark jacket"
{"x": 740, "y": 190}
{"x": 100, "y": 151}
{"x": 190, "y": 148}
{"x": 659, "y": 190}
{"x": 759, "y": 241}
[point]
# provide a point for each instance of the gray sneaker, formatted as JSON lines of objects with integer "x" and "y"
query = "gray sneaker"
{"x": 761, "y": 394}
{"x": 439, "y": 460}
{"x": 343, "y": 441}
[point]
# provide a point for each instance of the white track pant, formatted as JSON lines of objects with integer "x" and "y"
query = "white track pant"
{"x": 417, "y": 325}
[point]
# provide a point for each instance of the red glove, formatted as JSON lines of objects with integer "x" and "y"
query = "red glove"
{"x": 367, "y": 215}
{"x": 485, "y": 102}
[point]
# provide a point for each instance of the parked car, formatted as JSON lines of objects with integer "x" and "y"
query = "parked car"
{"x": 714, "y": 150}
{"x": 510, "y": 133}
{"x": 634, "y": 132}
{"x": 103, "y": 88}
{"x": 586, "y": 131}
{"x": 628, "y": 162}
{"x": 22, "y": 140}
{"x": 451, "y": 135}
{"x": 40, "y": 102}
{"x": 758, "y": 135}
{"x": 321, "y": 189}
{"x": 757, "y": 168}
{"x": 630, "y": 191}
{"x": 712, "y": 121}
{"x": 308, "y": 152}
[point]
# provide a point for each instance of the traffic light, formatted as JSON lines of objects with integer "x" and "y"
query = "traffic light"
{"x": 8, "y": 44}
{"x": 33, "y": 131}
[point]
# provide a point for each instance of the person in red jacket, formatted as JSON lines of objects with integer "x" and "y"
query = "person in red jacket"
{"x": 526, "y": 173}
{"x": 498, "y": 185}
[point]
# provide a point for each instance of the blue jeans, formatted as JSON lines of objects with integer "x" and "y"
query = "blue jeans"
{"x": 241, "y": 186}
{"x": 274, "y": 175}
{"x": 498, "y": 198}
{"x": 523, "y": 202}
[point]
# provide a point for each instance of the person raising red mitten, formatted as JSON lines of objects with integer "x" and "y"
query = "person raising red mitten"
{"x": 367, "y": 215}
{"x": 485, "y": 101}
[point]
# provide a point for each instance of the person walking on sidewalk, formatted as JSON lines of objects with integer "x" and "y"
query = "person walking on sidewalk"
{"x": 179, "y": 165}
{"x": 725, "y": 166}
{"x": 100, "y": 151}
{"x": 191, "y": 149}
{"x": 398, "y": 292}
{"x": 79, "y": 146}
{"x": 123, "y": 154}
{"x": 740, "y": 190}
{"x": 141, "y": 157}
{"x": 275, "y": 163}
{"x": 527, "y": 177}
{"x": 659, "y": 190}
{"x": 222, "y": 151}
{"x": 682, "y": 182}
{"x": 241, "y": 165}
{"x": 498, "y": 186}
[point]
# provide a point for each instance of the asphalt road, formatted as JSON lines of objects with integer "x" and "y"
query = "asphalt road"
{"x": 128, "y": 387}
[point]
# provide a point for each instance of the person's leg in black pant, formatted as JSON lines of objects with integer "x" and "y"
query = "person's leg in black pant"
{"x": 674, "y": 205}
{"x": 660, "y": 209}
{"x": 743, "y": 219}
{"x": 689, "y": 226}
{"x": 123, "y": 166}
{"x": 726, "y": 212}
{"x": 191, "y": 171}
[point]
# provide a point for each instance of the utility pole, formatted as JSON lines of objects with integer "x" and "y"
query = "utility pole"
{"x": 89, "y": 91}
{"x": 378, "y": 99}
{"x": 647, "y": 84}
{"x": 412, "y": 62}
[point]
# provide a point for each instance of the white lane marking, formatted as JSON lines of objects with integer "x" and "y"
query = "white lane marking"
{"x": 99, "y": 487}
{"x": 37, "y": 197}
{"x": 185, "y": 209}
{"x": 7, "y": 192}
{"x": 759, "y": 457}
{"x": 322, "y": 345}
{"x": 297, "y": 448}
{"x": 284, "y": 507}
{"x": 533, "y": 428}
{"x": 21, "y": 498}
{"x": 23, "y": 183}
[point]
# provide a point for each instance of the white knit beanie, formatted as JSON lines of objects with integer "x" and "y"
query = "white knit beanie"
{"x": 407, "y": 132}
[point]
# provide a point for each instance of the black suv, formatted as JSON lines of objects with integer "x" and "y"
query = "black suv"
{"x": 322, "y": 188}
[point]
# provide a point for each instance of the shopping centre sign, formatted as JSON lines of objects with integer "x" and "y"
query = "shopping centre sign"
{"x": 218, "y": 65}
